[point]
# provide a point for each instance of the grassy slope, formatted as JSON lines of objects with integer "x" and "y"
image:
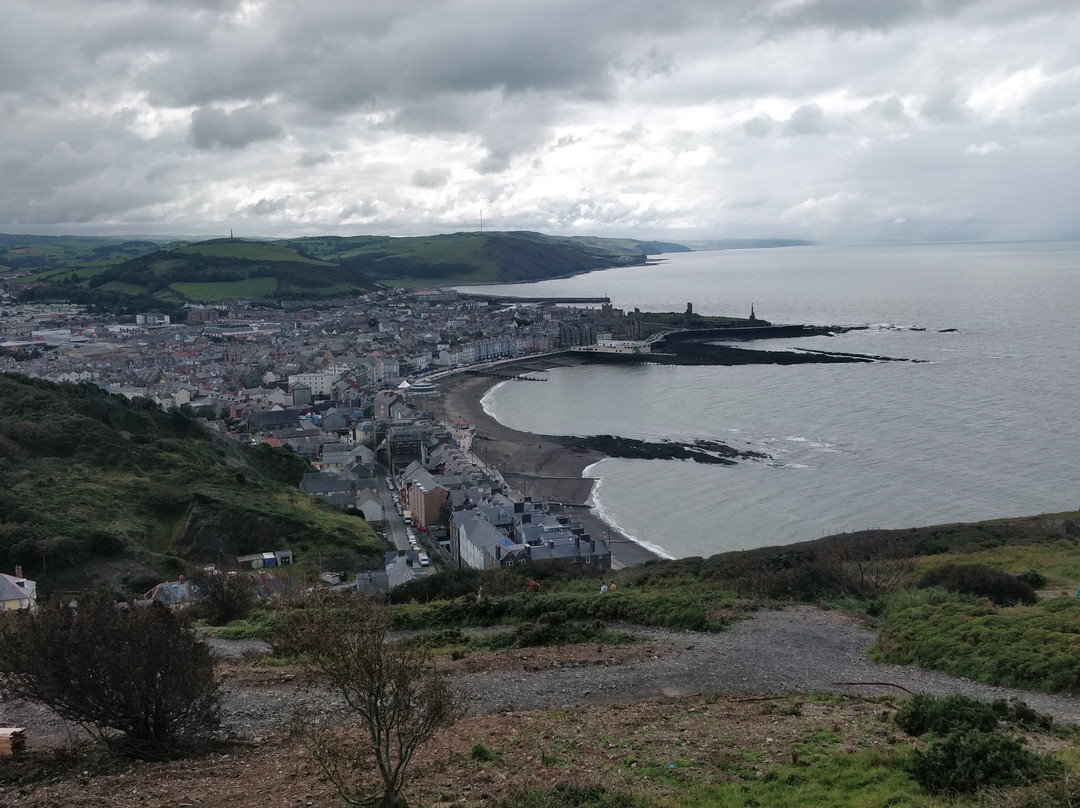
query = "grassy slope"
{"x": 28, "y": 251}
{"x": 87, "y": 477}
{"x": 323, "y": 266}
{"x": 1026, "y": 646}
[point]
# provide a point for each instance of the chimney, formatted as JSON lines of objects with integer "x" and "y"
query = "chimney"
{"x": 18, "y": 571}
{"x": 498, "y": 552}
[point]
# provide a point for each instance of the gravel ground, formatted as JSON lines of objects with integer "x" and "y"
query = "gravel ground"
{"x": 799, "y": 649}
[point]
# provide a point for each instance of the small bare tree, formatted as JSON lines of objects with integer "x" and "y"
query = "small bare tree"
{"x": 400, "y": 699}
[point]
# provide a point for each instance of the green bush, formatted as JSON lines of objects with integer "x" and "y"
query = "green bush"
{"x": 923, "y": 714}
{"x": 1033, "y": 647}
{"x": 481, "y": 753}
{"x": 966, "y": 760}
{"x": 1034, "y": 579}
{"x": 697, "y": 609}
{"x": 978, "y": 579}
{"x": 572, "y": 795}
{"x": 542, "y": 633}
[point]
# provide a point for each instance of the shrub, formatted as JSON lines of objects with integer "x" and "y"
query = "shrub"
{"x": 1030, "y": 647}
{"x": 1034, "y": 579}
{"x": 225, "y": 598}
{"x": 572, "y": 795}
{"x": 115, "y": 668}
{"x": 481, "y": 753}
{"x": 978, "y": 579}
{"x": 966, "y": 760}
{"x": 923, "y": 714}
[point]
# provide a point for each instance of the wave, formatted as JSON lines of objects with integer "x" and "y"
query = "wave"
{"x": 488, "y": 401}
{"x": 597, "y": 505}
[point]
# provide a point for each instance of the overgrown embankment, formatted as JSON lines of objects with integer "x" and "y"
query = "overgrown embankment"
{"x": 89, "y": 478}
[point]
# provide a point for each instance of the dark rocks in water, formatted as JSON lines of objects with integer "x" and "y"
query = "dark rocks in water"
{"x": 700, "y": 451}
{"x": 948, "y": 330}
{"x": 700, "y": 347}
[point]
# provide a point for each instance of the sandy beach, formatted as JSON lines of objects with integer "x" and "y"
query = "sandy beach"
{"x": 537, "y": 465}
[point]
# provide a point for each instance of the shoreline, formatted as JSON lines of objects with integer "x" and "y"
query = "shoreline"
{"x": 537, "y": 465}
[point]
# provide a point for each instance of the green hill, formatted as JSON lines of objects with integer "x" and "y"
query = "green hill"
{"x": 96, "y": 488}
{"x": 306, "y": 268}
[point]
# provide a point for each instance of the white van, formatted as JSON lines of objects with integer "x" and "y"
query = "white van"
{"x": 424, "y": 560}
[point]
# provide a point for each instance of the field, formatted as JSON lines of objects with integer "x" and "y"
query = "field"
{"x": 203, "y": 292}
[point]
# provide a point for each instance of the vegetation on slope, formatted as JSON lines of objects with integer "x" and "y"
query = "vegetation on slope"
{"x": 88, "y": 477}
{"x": 327, "y": 266}
{"x": 877, "y": 573}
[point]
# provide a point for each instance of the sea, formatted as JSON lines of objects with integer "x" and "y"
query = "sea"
{"x": 983, "y": 425}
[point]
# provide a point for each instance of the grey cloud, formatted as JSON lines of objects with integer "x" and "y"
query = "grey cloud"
{"x": 430, "y": 177}
{"x": 368, "y": 209}
{"x": 944, "y": 107}
{"x": 892, "y": 110}
{"x": 494, "y": 161}
{"x": 855, "y": 14}
{"x": 148, "y": 111}
{"x": 217, "y": 128}
{"x": 266, "y": 206}
{"x": 759, "y": 126}
{"x": 310, "y": 159}
{"x": 808, "y": 119}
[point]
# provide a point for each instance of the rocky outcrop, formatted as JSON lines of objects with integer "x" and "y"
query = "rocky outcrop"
{"x": 700, "y": 451}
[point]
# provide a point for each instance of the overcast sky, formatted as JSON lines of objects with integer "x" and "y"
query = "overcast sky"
{"x": 847, "y": 120}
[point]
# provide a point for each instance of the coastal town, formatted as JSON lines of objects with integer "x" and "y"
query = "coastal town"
{"x": 357, "y": 388}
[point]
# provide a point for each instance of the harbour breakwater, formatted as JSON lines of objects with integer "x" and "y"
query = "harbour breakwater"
{"x": 709, "y": 346}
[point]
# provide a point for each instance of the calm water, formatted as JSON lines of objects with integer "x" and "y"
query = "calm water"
{"x": 984, "y": 427}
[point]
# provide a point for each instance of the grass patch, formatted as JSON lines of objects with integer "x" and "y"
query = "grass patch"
{"x": 706, "y": 609}
{"x": 250, "y": 250}
{"x": 865, "y": 778}
{"x": 544, "y": 632}
{"x": 1034, "y": 647}
{"x": 252, "y": 287}
{"x": 1058, "y": 561}
{"x": 258, "y": 625}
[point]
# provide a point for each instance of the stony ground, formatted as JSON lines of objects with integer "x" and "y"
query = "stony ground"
{"x": 674, "y": 707}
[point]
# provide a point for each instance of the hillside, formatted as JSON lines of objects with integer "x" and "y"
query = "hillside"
{"x": 98, "y": 489}
{"x": 144, "y": 274}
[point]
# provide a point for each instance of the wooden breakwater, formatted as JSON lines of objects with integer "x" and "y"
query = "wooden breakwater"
{"x": 494, "y": 374}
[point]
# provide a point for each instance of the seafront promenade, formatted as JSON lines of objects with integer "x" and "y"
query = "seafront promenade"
{"x": 538, "y": 466}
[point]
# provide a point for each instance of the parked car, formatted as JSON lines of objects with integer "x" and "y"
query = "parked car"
{"x": 424, "y": 559}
